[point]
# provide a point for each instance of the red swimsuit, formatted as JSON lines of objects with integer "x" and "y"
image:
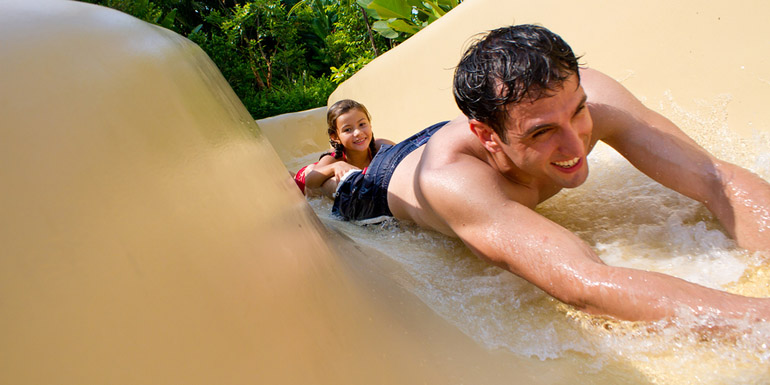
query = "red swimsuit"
{"x": 299, "y": 178}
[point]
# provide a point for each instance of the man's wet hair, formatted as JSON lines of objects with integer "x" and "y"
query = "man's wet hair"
{"x": 507, "y": 66}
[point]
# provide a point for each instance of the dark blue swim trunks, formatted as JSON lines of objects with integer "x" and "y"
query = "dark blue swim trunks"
{"x": 363, "y": 195}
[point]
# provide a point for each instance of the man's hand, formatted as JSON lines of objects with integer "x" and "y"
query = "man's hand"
{"x": 518, "y": 239}
{"x": 745, "y": 210}
{"x": 656, "y": 146}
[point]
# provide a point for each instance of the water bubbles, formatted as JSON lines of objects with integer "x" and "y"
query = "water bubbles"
{"x": 630, "y": 221}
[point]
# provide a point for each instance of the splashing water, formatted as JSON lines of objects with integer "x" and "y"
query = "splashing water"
{"x": 662, "y": 231}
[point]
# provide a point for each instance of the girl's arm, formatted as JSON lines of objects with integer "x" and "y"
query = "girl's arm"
{"x": 326, "y": 168}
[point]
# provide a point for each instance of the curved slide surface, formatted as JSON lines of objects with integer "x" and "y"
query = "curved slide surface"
{"x": 151, "y": 232}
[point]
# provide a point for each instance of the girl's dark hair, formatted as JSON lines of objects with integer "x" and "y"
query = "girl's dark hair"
{"x": 509, "y": 65}
{"x": 339, "y": 108}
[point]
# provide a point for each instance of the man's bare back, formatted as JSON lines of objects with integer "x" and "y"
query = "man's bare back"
{"x": 480, "y": 178}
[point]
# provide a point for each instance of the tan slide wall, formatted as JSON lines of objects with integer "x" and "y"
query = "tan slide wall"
{"x": 148, "y": 237}
{"x": 693, "y": 49}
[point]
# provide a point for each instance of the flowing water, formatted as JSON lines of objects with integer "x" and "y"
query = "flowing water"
{"x": 631, "y": 221}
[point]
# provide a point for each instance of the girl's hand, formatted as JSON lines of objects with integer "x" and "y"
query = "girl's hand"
{"x": 327, "y": 168}
{"x": 341, "y": 168}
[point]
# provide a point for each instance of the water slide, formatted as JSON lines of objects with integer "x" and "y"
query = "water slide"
{"x": 151, "y": 232}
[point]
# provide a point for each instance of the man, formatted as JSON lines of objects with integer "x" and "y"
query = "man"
{"x": 531, "y": 117}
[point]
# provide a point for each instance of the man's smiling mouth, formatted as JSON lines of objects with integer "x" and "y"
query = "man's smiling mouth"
{"x": 567, "y": 163}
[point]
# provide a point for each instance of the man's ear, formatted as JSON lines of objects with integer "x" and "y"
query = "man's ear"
{"x": 488, "y": 137}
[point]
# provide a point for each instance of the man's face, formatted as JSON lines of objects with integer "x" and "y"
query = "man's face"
{"x": 548, "y": 139}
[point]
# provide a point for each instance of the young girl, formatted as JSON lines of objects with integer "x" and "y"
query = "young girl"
{"x": 350, "y": 134}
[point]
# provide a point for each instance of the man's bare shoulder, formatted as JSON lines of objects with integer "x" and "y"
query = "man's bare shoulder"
{"x": 613, "y": 107}
{"x": 448, "y": 179}
{"x": 466, "y": 180}
{"x": 421, "y": 172}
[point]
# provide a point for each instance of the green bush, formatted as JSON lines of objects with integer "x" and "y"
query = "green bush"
{"x": 283, "y": 56}
{"x": 280, "y": 99}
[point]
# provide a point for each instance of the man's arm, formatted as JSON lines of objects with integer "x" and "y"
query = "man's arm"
{"x": 514, "y": 237}
{"x": 738, "y": 198}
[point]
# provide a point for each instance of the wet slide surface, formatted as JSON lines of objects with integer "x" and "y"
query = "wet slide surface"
{"x": 696, "y": 64}
{"x": 151, "y": 232}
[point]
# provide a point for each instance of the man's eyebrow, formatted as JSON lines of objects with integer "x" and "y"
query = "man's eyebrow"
{"x": 538, "y": 127}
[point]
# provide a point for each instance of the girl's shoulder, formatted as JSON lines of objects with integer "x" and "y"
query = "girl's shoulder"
{"x": 328, "y": 158}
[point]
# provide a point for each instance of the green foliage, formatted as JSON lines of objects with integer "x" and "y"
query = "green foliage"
{"x": 306, "y": 94}
{"x": 340, "y": 31}
{"x": 319, "y": 21}
{"x": 351, "y": 36}
{"x": 261, "y": 34}
{"x": 142, "y": 9}
{"x": 287, "y": 55}
{"x": 261, "y": 71}
{"x": 399, "y": 19}
{"x": 347, "y": 70}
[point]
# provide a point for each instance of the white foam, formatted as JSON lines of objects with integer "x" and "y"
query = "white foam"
{"x": 631, "y": 221}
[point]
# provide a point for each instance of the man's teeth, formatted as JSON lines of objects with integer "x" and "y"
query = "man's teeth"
{"x": 568, "y": 163}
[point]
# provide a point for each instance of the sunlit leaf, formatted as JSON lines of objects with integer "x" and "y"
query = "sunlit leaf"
{"x": 383, "y": 29}
{"x": 402, "y": 25}
{"x": 391, "y": 9}
{"x": 450, "y": 3}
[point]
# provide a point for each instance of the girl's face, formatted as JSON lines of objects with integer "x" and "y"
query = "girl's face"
{"x": 354, "y": 131}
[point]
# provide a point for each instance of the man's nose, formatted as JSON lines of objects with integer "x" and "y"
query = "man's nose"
{"x": 573, "y": 139}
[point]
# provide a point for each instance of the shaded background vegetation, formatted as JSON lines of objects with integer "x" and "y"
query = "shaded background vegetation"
{"x": 288, "y": 55}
